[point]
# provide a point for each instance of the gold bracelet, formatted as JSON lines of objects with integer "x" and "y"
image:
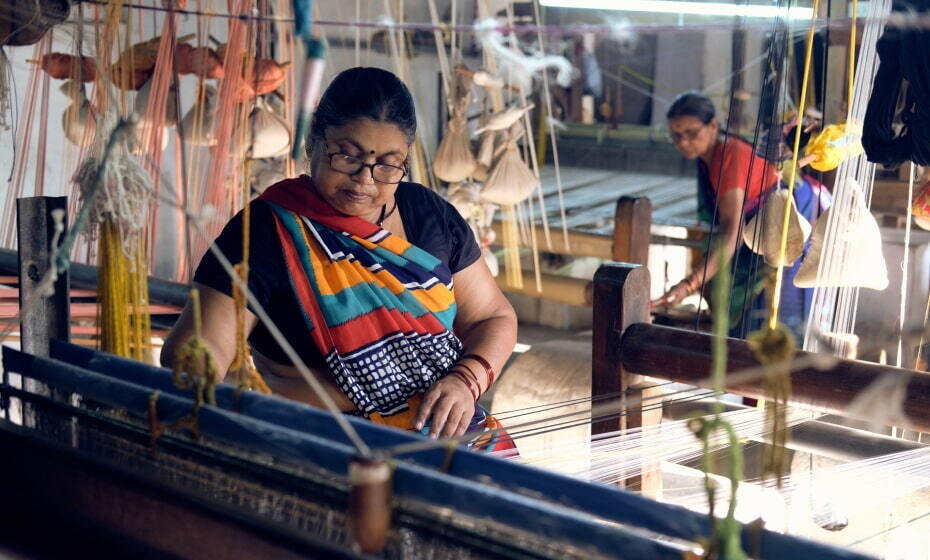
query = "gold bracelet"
{"x": 690, "y": 284}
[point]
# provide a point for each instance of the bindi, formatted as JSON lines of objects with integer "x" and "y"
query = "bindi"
{"x": 372, "y": 152}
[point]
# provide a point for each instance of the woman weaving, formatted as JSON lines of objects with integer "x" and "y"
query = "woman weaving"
{"x": 356, "y": 267}
{"x": 733, "y": 183}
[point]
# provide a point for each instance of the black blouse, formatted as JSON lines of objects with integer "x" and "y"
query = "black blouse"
{"x": 430, "y": 222}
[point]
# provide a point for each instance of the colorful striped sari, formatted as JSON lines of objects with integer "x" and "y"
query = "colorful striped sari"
{"x": 378, "y": 308}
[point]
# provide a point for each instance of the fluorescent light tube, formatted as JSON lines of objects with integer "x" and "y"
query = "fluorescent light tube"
{"x": 685, "y": 7}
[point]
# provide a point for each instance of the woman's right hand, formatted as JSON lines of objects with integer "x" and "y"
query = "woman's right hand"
{"x": 449, "y": 406}
{"x": 675, "y": 295}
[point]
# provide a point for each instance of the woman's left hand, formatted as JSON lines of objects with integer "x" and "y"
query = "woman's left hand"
{"x": 449, "y": 405}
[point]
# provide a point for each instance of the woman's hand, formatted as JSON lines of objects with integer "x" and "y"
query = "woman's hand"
{"x": 449, "y": 405}
{"x": 675, "y": 295}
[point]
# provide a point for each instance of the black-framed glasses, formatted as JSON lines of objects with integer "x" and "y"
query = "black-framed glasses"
{"x": 689, "y": 135}
{"x": 380, "y": 172}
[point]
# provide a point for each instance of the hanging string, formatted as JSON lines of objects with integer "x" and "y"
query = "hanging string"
{"x": 833, "y": 308}
{"x": 851, "y": 64}
{"x": 194, "y": 366}
{"x": 247, "y": 376}
{"x": 530, "y": 147}
{"x": 793, "y": 170}
{"x": 902, "y": 310}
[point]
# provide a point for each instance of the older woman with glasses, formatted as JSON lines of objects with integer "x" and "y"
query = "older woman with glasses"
{"x": 733, "y": 182}
{"x": 356, "y": 267}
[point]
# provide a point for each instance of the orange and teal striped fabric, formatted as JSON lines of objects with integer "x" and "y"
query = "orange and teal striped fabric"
{"x": 378, "y": 308}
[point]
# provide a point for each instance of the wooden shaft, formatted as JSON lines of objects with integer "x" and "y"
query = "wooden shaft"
{"x": 621, "y": 291}
{"x": 564, "y": 289}
{"x": 42, "y": 318}
{"x": 632, "y": 227}
{"x": 685, "y": 357}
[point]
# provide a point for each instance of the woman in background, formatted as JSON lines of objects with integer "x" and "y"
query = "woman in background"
{"x": 733, "y": 183}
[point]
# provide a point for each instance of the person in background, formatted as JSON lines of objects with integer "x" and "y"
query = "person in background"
{"x": 733, "y": 182}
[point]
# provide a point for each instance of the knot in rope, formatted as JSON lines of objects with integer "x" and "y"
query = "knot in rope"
{"x": 195, "y": 368}
{"x": 772, "y": 346}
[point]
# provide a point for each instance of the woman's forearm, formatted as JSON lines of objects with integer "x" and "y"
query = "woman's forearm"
{"x": 492, "y": 339}
{"x": 708, "y": 266}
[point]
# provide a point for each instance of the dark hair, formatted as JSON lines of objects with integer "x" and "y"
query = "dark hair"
{"x": 364, "y": 92}
{"x": 692, "y": 104}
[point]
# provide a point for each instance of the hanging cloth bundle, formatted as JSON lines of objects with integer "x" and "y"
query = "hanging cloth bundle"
{"x": 171, "y": 106}
{"x": 510, "y": 181}
{"x": 505, "y": 119}
{"x": 857, "y": 259}
{"x": 63, "y": 66}
{"x": 905, "y": 56}
{"x": 200, "y": 61}
{"x": 454, "y": 160}
{"x": 763, "y": 232}
{"x": 77, "y": 120}
{"x": 198, "y": 122}
{"x": 118, "y": 203}
{"x": 270, "y": 136}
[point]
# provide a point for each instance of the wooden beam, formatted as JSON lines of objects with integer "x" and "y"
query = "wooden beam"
{"x": 564, "y": 289}
{"x": 42, "y": 318}
{"x": 601, "y": 246}
{"x": 582, "y": 244}
{"x": 685, "y": 357}
{"x": 632, "y": 226}
{"x": 97, "y": 508}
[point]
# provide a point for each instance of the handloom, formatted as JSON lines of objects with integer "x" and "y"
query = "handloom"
{"x": 275, "y": 471}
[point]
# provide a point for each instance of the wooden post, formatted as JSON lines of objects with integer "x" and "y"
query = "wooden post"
{"x": 42, "y": 318}
{"x": 621, "y": 299}
{"x": 632, "y": 230}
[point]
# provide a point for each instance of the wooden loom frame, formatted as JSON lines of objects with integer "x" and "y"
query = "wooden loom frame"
{"x": 626, "y": 346}
{"x": 560, "y": 507}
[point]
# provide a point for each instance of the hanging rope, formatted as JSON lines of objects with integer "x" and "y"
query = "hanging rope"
{"x": 792, "y": 176}
{"x": 246, "y": 375}
{"x": 194, "y": 366}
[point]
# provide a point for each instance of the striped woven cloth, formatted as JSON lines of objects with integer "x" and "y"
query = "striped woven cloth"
{"x": 378, "y": 308}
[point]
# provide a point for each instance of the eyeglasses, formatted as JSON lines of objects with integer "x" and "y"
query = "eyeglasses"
{"x": 380, "y": 172}
{"x": 689, "y": 135}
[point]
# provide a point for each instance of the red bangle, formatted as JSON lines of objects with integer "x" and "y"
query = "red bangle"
{"x": 469, "y": 371}
{"x": 471, "y": 388}
{"x": 484, "y": 363}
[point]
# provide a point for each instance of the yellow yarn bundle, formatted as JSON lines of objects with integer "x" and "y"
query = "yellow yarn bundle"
{"x": 835, "y": 143}
{"x": 124, "y": 321}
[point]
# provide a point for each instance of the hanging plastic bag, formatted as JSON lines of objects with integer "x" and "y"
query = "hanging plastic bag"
{"x": 270, "y": 135}
{"x": 855, "y": 248}
{"x": 763, "y": 233}
{"x": 197, "y": 124}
